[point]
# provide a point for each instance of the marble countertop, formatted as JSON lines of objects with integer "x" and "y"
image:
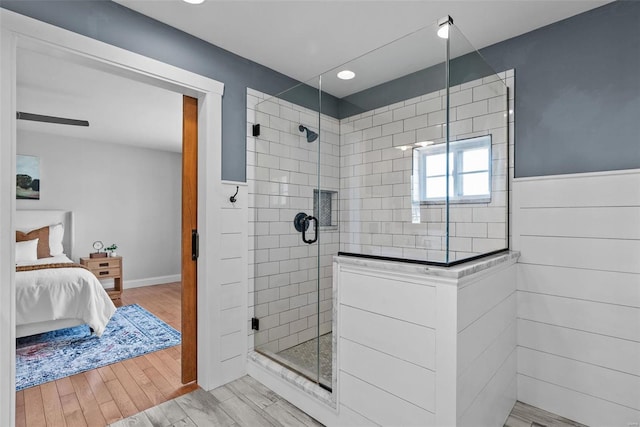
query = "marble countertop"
{"x": 455, "y": 272}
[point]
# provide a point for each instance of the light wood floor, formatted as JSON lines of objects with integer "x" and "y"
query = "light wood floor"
{"x": 523, "y": 415}
{"x": 247, "y": 403}
{"x": 241, "y": 403}
{"x": 104, "y": 395}
{"x": 148, "y": 387}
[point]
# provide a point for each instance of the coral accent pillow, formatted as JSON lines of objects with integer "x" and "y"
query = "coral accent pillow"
{"x": 42, "y": 234}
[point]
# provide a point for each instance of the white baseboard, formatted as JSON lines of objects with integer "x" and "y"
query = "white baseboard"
{"x": 149, "y": 281}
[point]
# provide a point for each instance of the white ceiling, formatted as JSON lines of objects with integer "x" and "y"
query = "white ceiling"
{"x": 300, "y": 39}
{"x": 305, "y": 38}
{"x": 119, "y": 110}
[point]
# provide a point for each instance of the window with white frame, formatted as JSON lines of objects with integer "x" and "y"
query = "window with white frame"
{"x": 469, "y": 172}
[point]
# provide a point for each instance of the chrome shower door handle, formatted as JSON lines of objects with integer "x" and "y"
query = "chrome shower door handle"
{"x": 304, "y": 229}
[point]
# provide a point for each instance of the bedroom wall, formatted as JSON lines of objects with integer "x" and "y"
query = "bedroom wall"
{"x": 119, "y": 194}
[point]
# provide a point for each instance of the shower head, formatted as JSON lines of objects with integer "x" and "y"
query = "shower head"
{"x": 311, "y": 135}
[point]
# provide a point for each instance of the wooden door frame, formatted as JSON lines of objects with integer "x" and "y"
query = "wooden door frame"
{"x": 18, "y": 31}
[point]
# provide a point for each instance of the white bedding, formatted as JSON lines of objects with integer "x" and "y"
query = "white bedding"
{"x": 61, "y": 293}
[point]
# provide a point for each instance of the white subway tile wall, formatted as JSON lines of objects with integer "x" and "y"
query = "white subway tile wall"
{"x": 376, "y": 211}
{"x": 359, "y": 159}
{"x": 282, "y": 175}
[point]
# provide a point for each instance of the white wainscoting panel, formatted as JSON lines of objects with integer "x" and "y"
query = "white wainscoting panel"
{"x": 574, "y": 405}
{"x": 393, "y": 369}
{"x": 231, "y": 296}
{"x": 383, "y": 407}
{"x": 472, "y": 381}
{"x": 480, "y": 297}
{"x": 616, "y": 255}
{"x": 605, "y": 222}
{"x": 494, "y": 403}
{"x": 403, "y": 300}
{"x": 588, "y": 347}
{"x": 420, "y": 391}
{"x": 233, "y": 278}
{"x": 601, "y": 318}
{"x": 487, "y": 348}
{"x": 405, "y": 341}
{"x": 478, "y": 336}
{"x": 601, "y": 189}
{"x": 579, "y": 295}
{"x": 589, "y": 285}
{"x": 351, "y": 418}
{"x": 597, "y": 381}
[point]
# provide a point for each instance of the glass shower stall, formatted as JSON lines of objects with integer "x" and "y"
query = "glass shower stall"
{"x": 409, "y": 166}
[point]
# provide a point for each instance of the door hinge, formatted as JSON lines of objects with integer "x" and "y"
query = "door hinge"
{"x": 255, "y": 323}
{"x": 195, "y": 245}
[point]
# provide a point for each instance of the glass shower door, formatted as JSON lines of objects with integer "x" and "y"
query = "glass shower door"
{"x": 286, "y": 230}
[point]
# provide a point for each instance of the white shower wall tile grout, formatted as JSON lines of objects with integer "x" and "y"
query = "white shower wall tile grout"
{"x": 372, "y": 178}
{"x": 283, "y": 270}
{"x": 375, "y": 191}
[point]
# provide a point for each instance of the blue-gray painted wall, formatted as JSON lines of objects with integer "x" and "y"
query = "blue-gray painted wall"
{"x": 578, "y": 81}
{"x": 115, "y": 24}
{"x": 577, "y": 92}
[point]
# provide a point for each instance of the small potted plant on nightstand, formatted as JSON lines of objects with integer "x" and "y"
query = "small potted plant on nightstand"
{"x": 112, "y": 249}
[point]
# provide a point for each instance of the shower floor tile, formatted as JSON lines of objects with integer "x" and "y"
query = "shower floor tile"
{"x": 303, "y": 357}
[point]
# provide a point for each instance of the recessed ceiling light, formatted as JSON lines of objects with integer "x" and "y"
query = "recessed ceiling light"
{"x": 346, "y": 75}
{"x": 193, "y": 1}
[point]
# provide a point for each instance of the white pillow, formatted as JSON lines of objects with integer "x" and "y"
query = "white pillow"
{"x": 27, "y": 251}
{"x": 56, "y": 234}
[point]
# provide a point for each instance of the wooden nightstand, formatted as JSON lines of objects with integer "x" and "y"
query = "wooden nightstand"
{"x": 107, "y": 268}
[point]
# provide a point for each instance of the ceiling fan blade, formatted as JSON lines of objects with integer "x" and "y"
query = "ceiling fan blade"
{"x": 50, "y": 119}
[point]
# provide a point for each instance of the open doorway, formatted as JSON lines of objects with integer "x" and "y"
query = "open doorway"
{"x": 132, "y": 194}
{"x": 21, "y": 32}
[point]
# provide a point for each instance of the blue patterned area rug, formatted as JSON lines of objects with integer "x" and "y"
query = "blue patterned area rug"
{"x": 131, "y": 332}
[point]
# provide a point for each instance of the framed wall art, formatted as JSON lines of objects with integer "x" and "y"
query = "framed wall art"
{"x": 27, "y": 177}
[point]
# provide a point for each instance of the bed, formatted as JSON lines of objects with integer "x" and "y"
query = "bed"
{"x": 52, "y": 292}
